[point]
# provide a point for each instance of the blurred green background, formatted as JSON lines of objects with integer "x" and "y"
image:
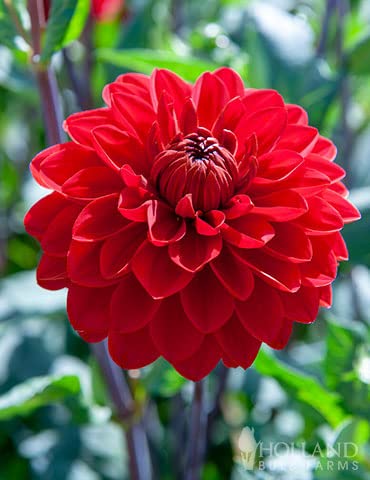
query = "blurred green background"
{"x": 55, "y": 418}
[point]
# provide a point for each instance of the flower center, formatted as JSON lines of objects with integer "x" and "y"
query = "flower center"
{"x": 199, "y": 165}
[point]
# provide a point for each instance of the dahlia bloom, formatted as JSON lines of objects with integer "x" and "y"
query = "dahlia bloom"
{"x": 190, "y": 222}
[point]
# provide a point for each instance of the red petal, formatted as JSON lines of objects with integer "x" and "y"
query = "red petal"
{"x": 322, "y": 269}
{"x": 321, "y": 217}
{"x": 83, "y": 264}
{"x": 296, "y": 114}
{"x": 239, "y": 345}
{"x": 330, "y": 169}
{"x": 133, "y": 204}
{"x": 38, "y": 218}
{"x": 202, "y": 362}
{"x": 40, "y": 157}
{"x": 188, "y": 120}
{"x": 137, "y": 81}
{"x": 92, "y": 183}
{"x": 325, "y": 148}
{"x": 134, "y": 113}
{"x": 258, "y": 99}
{"x": 193, "y": 251}
{"x": 236, "y": 277}
{"x": 326, "y": 296}
{"x": 58, "y": 167}
{"x": 290, "y": 243}
{"x": 164, "y": 225}
{"x": 166, "y": 81}
{"x": 268, "y": 125}
{"x": 88, "y": 311}
{"x": 248, "y": 232}
{"x": 157, "y": 273}
{"x": 302, "y": 306}
{"x": 99, "y": 219}
{"x": 210, "y": 97}
{"x": 278, "y": 165}
{"x": 80, "y": 125}
{"x": 238, "y": 206}
{"x": 210, "y": 224}
{"x": 58, "y": 234}
{"x": 117, "y": 148}
{"x": 184, "y": 207}
{"x": 52, "y": 272}
{"x": 131, "y": 307}
{"x": 282, "y": 275}
{"x": 132, "y": 350}
{"x": 232, "y": 81}
{"x": 281, "y": 206}
{"x": 346, "y": 210}
{"x": 298, "y": 138}
{"x": 206, "y": 302}
{"x": 263, "y": 314}
{"x": 118, "y": 250}
{"x": 167, "y": 119}
{"x": 173, "y": 334}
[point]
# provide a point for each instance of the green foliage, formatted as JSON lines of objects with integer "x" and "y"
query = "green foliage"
{"x": 24, "y": 398}
{"x": 7, "y": 28}
{"x": 66, "y": 22}
{"x": 358, "y": 58}
{"x": 303, "y": 387}
{"x": 145, "y": 61}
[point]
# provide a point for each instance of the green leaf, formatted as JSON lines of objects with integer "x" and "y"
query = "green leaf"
{"x": 145, "y": 60}
{"x": 358, "y": 58}
{"x": 7, "y": 29}
{"x": 163, "y": 380}
{"x": 37, "y": 392}
{"x": 304, "y": 387}
{"x": 65, "y": 24}
{"x": 341, "y": 348}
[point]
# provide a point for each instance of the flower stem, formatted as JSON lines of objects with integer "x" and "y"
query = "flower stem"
{"x": 136, "y": 439}
{"x": 46, "y": 80}
{"x": 198, "y": 434}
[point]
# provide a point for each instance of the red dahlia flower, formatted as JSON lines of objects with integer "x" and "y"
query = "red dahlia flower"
{"x": 190, "y": 222}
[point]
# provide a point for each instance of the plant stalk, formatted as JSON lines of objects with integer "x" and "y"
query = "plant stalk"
{"x": 198, "y": 434}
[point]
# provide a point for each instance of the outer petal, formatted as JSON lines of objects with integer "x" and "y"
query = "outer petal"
{"x": 239, "y": 345}
{"x": 290, "y": 243}
{"x": 302, "y": 306}
{"x": 206, "y": 302}
{"x": 281, "y": 206}
{"x": 236, "y": 277}
{"x": 193, "y": 251}
{"x": 91, "y": 183}
{"x": 80, "y": 125}
{"x": 267, "y": 124}
{"x": 320, "y": 218}
{"x": 132, "y": 350}
{"x": 38, "y": 218}
{"x": 202, "y": 362}
{"x": 58, "y": 234}
{"x": 99, "y": 220}
{"x": 83, "y": 264}
{"x": 88, "y": 311}
{"x": 285, "y": 276}
{"x": 131, "y": 307}
{"x": 52, "y": 272}
{"x": 298, "y": 138}
{"x": 119, "y": 249}
{"x": 157, "y": 273}
{"x": 172, "y": 332}
{"x": 117, "y": 148}
{"x": 248, "y": 232}
{"x": 263, "y": 315}
{"x": 232, "y": 81}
